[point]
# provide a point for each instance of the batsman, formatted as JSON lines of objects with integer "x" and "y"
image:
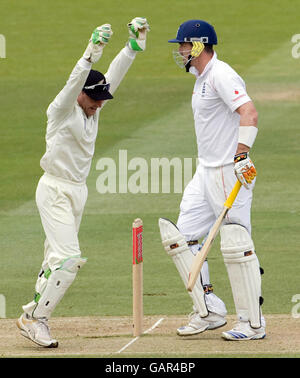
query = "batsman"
{"x": 61, "y": 193}
{"x": 225, "y": 120}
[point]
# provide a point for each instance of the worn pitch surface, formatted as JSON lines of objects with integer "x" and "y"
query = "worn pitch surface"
{"x": 112, "y": 336}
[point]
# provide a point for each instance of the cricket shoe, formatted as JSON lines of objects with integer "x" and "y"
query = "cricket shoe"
{"x": 197, "y": 324}
{"x": 37, "y": 330}
{"x": 243, "y": 331}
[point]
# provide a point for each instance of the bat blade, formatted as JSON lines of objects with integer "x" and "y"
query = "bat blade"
{"x": 202, "y": 254}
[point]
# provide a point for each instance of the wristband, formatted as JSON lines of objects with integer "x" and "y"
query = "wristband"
{"x": 247, "y": 135}
{"x": 241, "y": 156}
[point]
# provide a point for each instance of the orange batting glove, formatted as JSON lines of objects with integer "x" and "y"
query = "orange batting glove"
{"x": 244, "y": 169}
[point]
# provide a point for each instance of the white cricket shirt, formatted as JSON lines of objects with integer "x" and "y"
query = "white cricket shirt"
{"x": 218, "y": 92}
{"x": 71, "y": 135}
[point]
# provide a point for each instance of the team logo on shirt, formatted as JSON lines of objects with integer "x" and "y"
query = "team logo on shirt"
{"x": 203, "y": 89}
{"x": 238, "y": 94}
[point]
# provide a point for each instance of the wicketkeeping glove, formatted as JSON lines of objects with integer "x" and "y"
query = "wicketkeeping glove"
{"x": 99, "y": 38}
{"x": 244, "y": 169}
{"x": 138, "y": 29}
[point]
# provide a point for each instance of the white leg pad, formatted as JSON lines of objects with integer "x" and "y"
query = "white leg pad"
{"x": 52, "y": 287}
{"x": 176, "y": 246}
{"x": 243, "y": 270}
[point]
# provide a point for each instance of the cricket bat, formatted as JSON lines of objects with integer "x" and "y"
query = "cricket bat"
{"x": 202, "y": 254}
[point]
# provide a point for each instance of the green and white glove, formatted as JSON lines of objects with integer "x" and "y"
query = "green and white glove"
{"x": 99, "y": 39}
{"x": 138, "y": 29}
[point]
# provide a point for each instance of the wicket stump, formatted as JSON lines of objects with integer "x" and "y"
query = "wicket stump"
{"x": 137, "y": 276}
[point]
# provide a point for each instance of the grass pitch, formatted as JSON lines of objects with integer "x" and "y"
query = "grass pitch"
{"x": 149, "y": 118}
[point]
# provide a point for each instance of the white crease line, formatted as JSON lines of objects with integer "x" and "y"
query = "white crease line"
{"x": 154, "y": 325}
{"x": 136, "y": 338}
{"x": 127, "y": 345}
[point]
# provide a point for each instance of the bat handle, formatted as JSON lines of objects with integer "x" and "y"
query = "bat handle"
{"x": 228, "y": 203}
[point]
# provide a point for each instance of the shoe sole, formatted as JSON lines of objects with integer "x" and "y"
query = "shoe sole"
{"x": 208, "y": 328}
{"x": 229, "y": 337}
{"x": 191, "y": 333}
{"x": 26, "y": 334}
{"x": 218, "y": 325}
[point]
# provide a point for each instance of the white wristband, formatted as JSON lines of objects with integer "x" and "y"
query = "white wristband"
{"x": 247, "y": 135}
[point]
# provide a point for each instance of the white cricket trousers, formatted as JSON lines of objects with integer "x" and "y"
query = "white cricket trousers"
{"x": 203, "y": 200}
{"x": 60, "y": 204}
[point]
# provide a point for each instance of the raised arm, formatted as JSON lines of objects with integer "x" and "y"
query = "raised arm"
{"x": 118, "y": 68}
{"x": 65, "y": 101}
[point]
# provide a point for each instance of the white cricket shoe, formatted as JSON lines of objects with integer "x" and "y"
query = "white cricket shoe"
{"x": 197, "y": 324}
{"x": 36, "y": 330}
{"x": 243, "y": 331}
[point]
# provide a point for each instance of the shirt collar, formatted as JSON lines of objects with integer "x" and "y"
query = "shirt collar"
{"x": 209, "y": 65}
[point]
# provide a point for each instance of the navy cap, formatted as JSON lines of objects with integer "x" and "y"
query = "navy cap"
{"x": 96, "y": 87}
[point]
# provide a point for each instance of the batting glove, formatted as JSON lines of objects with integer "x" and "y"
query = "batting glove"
{"x": 99, "y": 39}
{"x": 244, "y": 169}
{"x": 138, "y": 29}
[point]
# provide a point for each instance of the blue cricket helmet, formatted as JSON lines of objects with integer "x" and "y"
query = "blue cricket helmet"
{"x": 196, "y": 30}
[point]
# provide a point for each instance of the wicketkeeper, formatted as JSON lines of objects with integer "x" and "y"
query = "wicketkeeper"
{"x": 61, "y": 194}
{"x": 226, "y": 127}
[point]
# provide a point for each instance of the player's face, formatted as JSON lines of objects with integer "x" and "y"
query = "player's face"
{"x": 185, "y": 50}
{"x": 89, "y": 105}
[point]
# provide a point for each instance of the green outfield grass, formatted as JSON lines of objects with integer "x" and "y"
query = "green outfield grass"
{"x": 149, "y": 117}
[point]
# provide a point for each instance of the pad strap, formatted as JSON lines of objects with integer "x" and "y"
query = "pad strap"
{"x": 192, "y": 242}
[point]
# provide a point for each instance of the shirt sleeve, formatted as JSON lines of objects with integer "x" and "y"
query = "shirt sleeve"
{"x": 64, "y": 102}
{"x": 119, "y": 67}
{"x": 231, "y": 88}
